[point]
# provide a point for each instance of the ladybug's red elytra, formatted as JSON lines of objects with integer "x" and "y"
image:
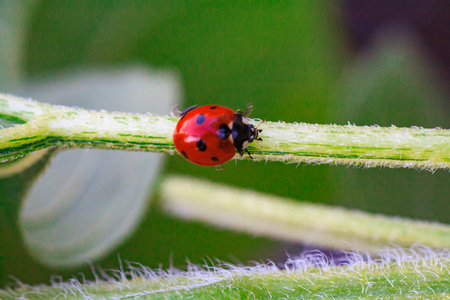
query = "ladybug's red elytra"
{"x": 209, "y": 135}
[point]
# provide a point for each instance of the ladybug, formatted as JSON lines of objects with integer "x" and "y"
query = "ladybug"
{"x": 210, "y": 135}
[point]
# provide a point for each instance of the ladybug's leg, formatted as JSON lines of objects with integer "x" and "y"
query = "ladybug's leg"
{"x": 248, "y": 109}
{"x": 247, "y": 112}
{"x": 248, "y": 152}
{"x": 219, "y": 168}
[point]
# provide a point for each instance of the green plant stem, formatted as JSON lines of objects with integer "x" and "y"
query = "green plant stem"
{"x": 294, "y": 221}
{"x": 391, "y": 277}
{"x": 49, "y": 125}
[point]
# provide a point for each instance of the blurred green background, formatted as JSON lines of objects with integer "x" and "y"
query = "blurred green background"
{"x": 296, "y": 61}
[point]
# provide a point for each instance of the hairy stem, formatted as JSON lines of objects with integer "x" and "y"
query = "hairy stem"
{"x": 47, "y": 125}
{"x": 398, "y": 272}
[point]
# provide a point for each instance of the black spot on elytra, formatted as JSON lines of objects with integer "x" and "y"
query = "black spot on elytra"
{"x": 224, "y": 131}
{"x": 214, "y": 158}
{"x": 184, "y": 154}
{"x": 201, "y": 146}
{"x": 200, "y": 119}
{"x": 213, "y": 107}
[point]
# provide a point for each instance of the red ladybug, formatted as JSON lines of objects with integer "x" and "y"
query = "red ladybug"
{"x": 209, "y": 135}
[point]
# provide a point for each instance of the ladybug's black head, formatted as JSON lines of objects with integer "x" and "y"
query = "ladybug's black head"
{"x": 243, "y": 133}
{"x": 254, "y": 133}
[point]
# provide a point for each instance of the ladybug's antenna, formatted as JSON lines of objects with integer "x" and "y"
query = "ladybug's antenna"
{"x": 262, "y": 121}
{"x": 257, "y": 131}
{"x": 176, "y": 110}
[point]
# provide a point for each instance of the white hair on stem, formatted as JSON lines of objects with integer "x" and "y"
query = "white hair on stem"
{"x": 424, "y": 270}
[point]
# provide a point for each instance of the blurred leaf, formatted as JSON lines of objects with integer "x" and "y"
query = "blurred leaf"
{"x": 87, "y": 202}
{"x": 392, "y": 83}
{"x": 14, "y": 20}
{"x": 15, "y": 179}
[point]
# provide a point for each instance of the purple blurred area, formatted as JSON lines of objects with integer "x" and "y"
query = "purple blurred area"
{"x": 429, "y": 20}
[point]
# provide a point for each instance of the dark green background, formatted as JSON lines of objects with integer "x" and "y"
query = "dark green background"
{"x": 292, "y": 60}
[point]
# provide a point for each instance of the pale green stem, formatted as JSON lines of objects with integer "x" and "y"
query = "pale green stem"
{"x": 49, "y": 125}
{"x": 294, "y": 221}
